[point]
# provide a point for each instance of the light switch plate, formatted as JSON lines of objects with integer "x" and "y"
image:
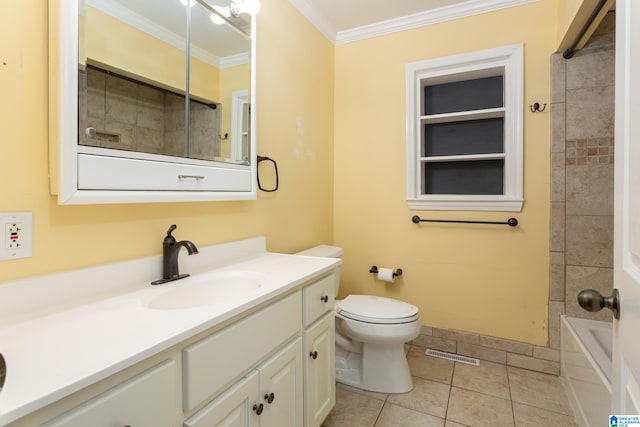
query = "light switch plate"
{"x": 16, "y": 229}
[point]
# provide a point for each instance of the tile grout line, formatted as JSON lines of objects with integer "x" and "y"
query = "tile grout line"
{"x": 379, "y": 413}
{"x": 384, "y": 403}
{"x": 453, "y": 372}
{"x": 548, "y": 410}
{"x": 513, "y": 412}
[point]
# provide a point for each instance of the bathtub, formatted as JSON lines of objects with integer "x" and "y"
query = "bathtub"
{"x": 585, "y": 368}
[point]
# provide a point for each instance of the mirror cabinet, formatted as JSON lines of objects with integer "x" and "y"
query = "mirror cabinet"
{"x": 151, "y": 101}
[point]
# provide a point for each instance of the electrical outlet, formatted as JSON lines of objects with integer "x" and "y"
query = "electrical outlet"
{"x": 17, "y": 235}
{"x": 13, "y": 235}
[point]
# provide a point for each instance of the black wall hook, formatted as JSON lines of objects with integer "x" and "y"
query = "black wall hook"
{"x": 535, "y": 108}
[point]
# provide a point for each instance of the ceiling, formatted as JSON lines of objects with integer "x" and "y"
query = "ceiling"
{"x": 166, "y": 20}
{"x": 349, "y": 14}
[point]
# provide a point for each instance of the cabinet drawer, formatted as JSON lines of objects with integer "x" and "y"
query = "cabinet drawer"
{"x": 148, "y": 399}
{"x": 318, "y": 298}
{"x": 96, "y": 173}
{"x": 213, "y": 362}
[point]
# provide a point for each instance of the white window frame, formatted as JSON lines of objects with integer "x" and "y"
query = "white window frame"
{"x": 506, "y": 60}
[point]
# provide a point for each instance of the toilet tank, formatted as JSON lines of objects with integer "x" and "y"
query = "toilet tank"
{"x": 325, "y": 251}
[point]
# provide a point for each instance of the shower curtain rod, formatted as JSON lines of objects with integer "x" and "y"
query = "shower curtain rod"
{"x": 568, "y": 53}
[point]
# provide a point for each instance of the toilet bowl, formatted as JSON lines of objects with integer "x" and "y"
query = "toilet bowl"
{"x": 370, "y": 336}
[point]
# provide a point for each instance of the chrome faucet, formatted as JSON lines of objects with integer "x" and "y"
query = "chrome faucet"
{"x": 170, "y": 252}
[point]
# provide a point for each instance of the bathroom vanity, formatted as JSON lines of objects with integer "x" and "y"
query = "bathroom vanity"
{"x": 247, "y": 340}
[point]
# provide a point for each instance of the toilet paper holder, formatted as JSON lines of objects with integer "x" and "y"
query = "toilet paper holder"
{"x": 396, "y": 272}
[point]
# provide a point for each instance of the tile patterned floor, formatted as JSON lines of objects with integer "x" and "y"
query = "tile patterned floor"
{"x": 453, "y": 394}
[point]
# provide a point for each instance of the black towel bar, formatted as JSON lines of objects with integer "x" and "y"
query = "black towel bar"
{"x": 511, "y": 222}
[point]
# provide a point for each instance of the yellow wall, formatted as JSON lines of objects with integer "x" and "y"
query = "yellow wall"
{"x": 293, "y": 88}
{"x": 147, "y": 57}
{"x": 491, "y": 280}
{"x": 486, "y": 279}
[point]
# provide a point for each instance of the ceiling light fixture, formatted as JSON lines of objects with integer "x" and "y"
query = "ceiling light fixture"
{"x": 250, "y": 7}
{"x": 223, "y": 12}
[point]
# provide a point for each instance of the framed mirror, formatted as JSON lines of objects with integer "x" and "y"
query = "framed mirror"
{"x": 153, "y": 101}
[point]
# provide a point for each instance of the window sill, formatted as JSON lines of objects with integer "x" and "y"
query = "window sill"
{"x": 453, "y": 203}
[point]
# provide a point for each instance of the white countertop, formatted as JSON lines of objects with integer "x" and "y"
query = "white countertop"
{"x": 51, "y": 354}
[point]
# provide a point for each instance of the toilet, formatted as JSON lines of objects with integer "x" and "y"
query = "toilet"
{"x": 370, "y": 336}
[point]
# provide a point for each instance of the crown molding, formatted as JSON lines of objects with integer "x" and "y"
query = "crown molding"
{"x": 146, "y": 25}
{"x": 429, "y": 17}
{"x": 233, "y": 60}
{"x": 316, "y": 17}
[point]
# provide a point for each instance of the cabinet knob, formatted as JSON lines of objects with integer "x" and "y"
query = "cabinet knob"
{"x": 258, "y": 408}
{"x": 324, "y": 298}
{"x": 313, "y": 355}
{"x": 269, "y": 397}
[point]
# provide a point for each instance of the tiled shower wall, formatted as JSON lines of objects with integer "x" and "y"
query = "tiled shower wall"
{"x": 582, "y": 156}
{"x": 133, "y": 116}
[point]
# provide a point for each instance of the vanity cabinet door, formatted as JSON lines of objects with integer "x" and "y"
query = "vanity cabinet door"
{"x": 281, "y": 388}
{"x": 319, "y": 370}
{"x": 148, "y": 399}
{"x": 233, "y": 408}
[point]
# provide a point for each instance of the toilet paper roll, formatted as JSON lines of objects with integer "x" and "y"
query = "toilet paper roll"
{"x": 386, "y": 275}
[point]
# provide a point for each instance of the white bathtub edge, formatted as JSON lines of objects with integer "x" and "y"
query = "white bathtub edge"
{"x": 586, "y": 342}
{"x": 581, "y": 375}
{"x": 574, "y": 404}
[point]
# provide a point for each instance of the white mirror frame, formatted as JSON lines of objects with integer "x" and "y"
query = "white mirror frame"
{"x": 79, "y": 177}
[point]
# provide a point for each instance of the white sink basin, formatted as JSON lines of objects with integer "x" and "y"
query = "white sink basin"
{"x": 207, "y": 289}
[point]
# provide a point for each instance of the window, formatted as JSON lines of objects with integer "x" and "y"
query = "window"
{"x": 464, "y": 131}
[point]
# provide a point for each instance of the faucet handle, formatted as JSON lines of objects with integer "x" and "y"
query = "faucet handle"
{"x": 169, "y": 239}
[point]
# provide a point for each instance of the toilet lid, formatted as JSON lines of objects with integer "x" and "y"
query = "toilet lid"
{"x": 373, "y": 309}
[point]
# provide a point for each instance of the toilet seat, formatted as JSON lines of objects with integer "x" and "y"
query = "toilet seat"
{"x": 378, "y": 310}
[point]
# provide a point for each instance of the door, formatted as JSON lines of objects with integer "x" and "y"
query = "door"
{"x": 156, "y": 402}
{"x": 281, "y": 388}
{"x": 626, "y": 342}
{"x": 319, "y": 370}
{"x": 233, "y": 408}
